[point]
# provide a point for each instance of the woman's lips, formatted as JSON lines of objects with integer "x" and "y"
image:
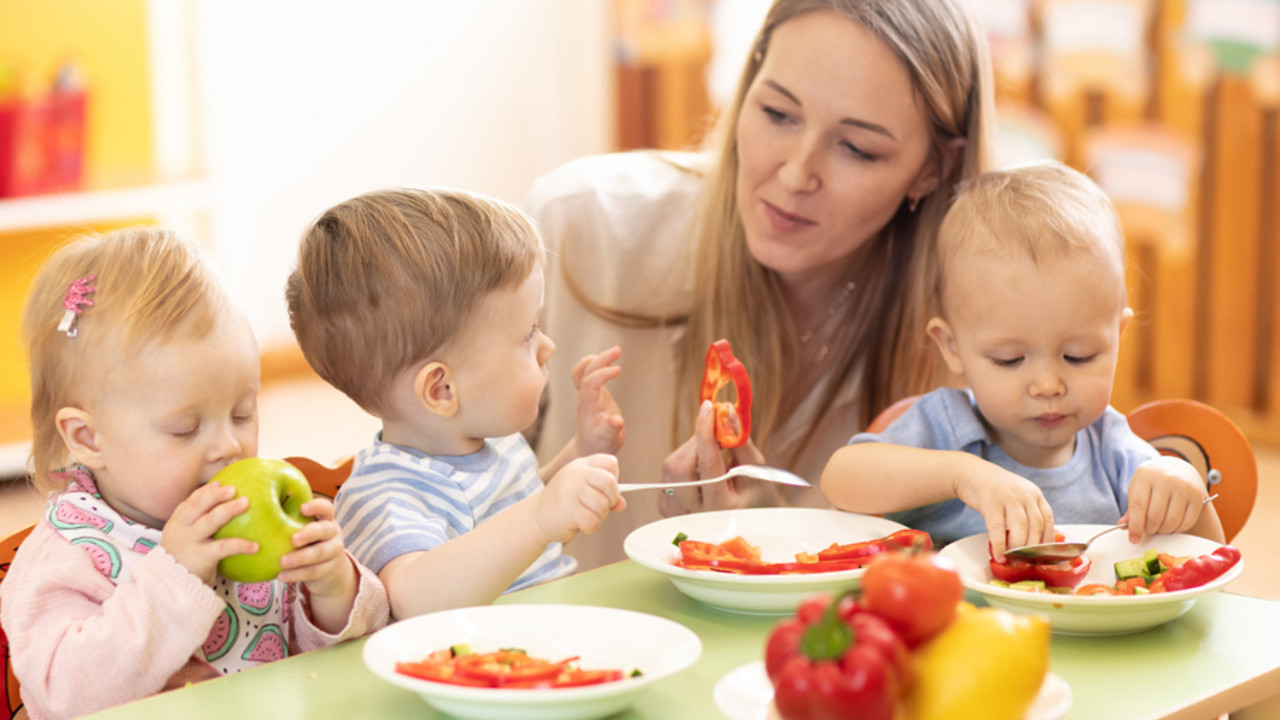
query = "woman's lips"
{"x": 783, "y": 221}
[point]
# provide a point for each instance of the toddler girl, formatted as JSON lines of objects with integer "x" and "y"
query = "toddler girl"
{"x": 144, "y": 383}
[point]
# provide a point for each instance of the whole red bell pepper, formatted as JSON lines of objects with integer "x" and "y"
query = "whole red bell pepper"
{"x": 834, "y": 660}
{"x": 724, "y": 369}
{"x": 1200, "y": 570}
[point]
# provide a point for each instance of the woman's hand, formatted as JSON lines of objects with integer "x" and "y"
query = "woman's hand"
{"x": 701, "y": 457}
{"x": 601, "y": 428}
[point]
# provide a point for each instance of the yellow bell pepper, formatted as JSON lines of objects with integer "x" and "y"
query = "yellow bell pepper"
{"x": 989, "y": 663}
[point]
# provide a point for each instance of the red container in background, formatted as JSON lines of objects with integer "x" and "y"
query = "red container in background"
{"x": 42, "y": 144}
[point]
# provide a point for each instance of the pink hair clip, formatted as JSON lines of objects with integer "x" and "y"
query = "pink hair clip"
{"x": 75, "y": 303}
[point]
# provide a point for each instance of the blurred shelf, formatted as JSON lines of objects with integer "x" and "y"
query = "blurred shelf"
{"x": 76, "y": 208}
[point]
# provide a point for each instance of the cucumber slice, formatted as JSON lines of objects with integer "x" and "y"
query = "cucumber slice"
{"x": 1151, "y": 559}
{"x": 1132, "y": 567}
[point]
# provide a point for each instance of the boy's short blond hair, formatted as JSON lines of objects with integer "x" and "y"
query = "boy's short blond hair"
{"x": 1043, "y": 211}
{"x": 386, "y": 279}
{"x": 150, "y": 286}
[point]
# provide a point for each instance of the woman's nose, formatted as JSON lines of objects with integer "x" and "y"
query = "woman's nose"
{"x": 799, "y": 171}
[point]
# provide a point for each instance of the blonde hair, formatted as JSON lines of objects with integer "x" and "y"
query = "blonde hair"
{"x": 944, "y": 51}
{"x": 1041, "y": 211}
{"x": 152, "y": 287}
{"x": 387, "y": 278}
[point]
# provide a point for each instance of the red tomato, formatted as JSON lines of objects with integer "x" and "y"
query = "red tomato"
{"x": 917, "y": 594}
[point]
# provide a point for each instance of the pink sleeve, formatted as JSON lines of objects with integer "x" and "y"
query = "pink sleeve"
{"x": 81, "y": 644}
{"x": 372, "y": 610}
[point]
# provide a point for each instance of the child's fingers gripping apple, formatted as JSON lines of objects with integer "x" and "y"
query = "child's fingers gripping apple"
{"x": 188, "y": 534}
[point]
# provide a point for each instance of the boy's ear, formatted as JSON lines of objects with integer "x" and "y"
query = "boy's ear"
{"x": 79, "y": 431}
{"x": 943, "y": 336}
{"x": 433, "y": 386}
{"x": 1126, "y": 316}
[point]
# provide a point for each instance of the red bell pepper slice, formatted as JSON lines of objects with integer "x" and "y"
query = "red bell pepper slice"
{"x": 724, "y": 369}
{"x": 1200, "y": 570}
{"x": 905, "y": 539}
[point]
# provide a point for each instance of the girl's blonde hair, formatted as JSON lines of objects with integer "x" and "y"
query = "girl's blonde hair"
{"x": 387, "y": 278}
{"x": 882, "y": 328}
{"x": 151, "y": 287}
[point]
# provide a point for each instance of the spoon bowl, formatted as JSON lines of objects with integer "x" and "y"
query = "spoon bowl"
{"x": 760, "y": 472}
{"x": 1049, "y": 553}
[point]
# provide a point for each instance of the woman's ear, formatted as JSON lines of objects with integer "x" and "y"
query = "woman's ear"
{"x": 79, "y": 431}
{"x": 937, "y": 168}
{"x": 943, "y": 336}
{"x": 433, "y": 386}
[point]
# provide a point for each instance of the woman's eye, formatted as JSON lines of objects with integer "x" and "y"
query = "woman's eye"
{"x": 856, "y": 151}
{"x": 776, "y": 115}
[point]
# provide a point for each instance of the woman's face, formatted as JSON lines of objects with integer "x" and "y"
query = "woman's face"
{"x": 831, "y": 139}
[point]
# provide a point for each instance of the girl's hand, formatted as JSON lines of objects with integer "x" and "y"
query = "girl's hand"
{"x": 1014, "y": 509}
{"x": 188, "y": 534}
{"x": 701, "y": 457}
{"x": 320, "y": 561}
{"x": 601, "y": 428}
{"x": 1166, "y": 495}
{"x": 579, "y": 497}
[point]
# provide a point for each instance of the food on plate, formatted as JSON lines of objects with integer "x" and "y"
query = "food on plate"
{"x": 507, "y": 668}
{"x": 916, "y": 592}
{"x": 905, "y": 647}
{"x": 724, "y": 369}
{"x": 1152, "y": 572}
{"x": 989, "y": 663}
{"x": 276, "y": 492}
{"x": 738, "y": 556}
{"x": 834, "y": 659}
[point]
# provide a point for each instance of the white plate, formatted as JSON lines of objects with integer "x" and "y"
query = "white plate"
{"x": 780, "y": 533}
{"x": 746, "y": 694}
{"x": 604, "y": 638}
{"x": 1095, "y": 614}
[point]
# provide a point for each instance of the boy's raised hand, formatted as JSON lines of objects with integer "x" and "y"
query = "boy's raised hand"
{"x": 601, "y": 428}
{"x": 188, "y": 533}
{"x": 579, "y": 497}
{"x": 1014, "y": 509}
{"x": 1166, "y": 495}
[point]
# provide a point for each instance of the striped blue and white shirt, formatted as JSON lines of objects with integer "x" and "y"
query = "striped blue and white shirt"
{"x": 400, "y": 500}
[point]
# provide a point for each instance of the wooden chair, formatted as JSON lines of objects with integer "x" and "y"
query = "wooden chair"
{"x": 324, "y": 479}
{"x": 12, "y": 701}
{"x": 1209, "y": 440}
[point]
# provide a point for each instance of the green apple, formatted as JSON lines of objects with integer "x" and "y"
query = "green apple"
{"x": 276, "y": 492}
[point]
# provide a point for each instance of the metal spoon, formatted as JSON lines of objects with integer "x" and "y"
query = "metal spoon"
{"x": 760, "y": 472}
{"x": 1048, "y": 553}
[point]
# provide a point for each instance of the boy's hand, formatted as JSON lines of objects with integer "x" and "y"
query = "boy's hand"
{"x": 321, "y": 559}
{"x": 579, "y": 497}
{"x": 601, "y": 428}
{"x": 1166, "y": 495}
{"x": 1013, "y": 507}
{"x": 188, "y": 534}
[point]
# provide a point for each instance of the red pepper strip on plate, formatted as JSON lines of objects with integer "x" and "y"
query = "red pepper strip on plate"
{"x": 905, "y": 539}
{"x": 1064, "y": 574}
{"x": 724, "y": 369}
{"x": 1200, "y": 570}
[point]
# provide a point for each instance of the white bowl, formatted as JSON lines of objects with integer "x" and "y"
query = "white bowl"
{"x": 746, "y": 694}
{"x": 603, "y": 638}
{"x": 780, "y": 533}
{"x": 1092, "y": 614}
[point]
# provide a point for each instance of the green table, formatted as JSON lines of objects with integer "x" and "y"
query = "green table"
{"x": 1221, "y": 656}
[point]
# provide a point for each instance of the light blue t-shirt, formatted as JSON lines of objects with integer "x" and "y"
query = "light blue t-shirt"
{"x": 399, "y": 500}
{"x": 1091, "y": 487}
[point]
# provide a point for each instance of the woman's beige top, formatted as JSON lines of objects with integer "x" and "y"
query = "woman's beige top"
{"x": 620, "y": 224}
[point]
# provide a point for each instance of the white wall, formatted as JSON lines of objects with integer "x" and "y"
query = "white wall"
{"x": 303, "y": 103}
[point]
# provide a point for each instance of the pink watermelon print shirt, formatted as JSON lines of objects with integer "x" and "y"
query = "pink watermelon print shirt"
{"x": 97, "y": 613}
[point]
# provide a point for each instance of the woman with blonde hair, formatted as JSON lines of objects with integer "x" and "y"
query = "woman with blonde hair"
{"x": 803, "y": 234}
